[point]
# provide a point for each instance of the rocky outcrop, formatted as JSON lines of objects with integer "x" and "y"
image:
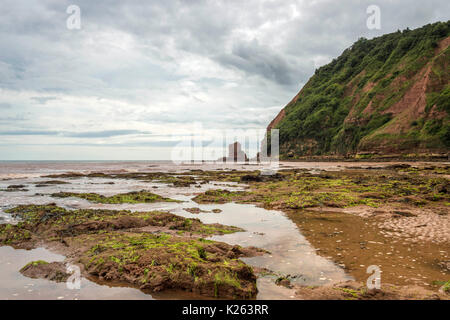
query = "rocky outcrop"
{"x": 235, "y": 153}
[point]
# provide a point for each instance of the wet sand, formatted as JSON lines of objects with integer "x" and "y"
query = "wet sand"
{"x": 355, "y": 243}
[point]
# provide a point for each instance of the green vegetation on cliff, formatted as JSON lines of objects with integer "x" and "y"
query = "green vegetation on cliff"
{"x": 390, "y": 94}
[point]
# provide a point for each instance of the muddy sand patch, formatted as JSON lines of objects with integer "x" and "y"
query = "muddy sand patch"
{"x": 355, "y": 243}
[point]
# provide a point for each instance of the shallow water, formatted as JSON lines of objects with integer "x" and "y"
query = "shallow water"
{"x": 23, "y": 169}
{"x": 290, "y": 253}
{"x": 16, "y": 286}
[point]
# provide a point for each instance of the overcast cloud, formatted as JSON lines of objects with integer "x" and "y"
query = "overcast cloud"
{"x": 138, "y": 74}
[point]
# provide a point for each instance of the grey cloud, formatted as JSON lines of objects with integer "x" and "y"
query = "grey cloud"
{"x": 43, "y": 100}
{"x": 5, "y": 105}
{"x": 161, "y": 143}
{"x": 104, "y": 134}
{"x": 13, "y": 119}
{"x": 203, "y": 28}
{"x": 255, "y": 59}
{"x": 89, "y": 134}
{"x": 27, "y": 133}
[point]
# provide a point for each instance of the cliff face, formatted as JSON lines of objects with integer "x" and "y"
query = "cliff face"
{"x": 388, "y": 95}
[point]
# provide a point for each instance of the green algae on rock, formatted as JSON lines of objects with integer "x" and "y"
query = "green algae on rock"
{"x": 46, "y": 221}
{"x": 15, "y": 187}
{"x": 297, "y": 189}
{"x": 221, "y": 196}
{"x": 157, "y": 262}
{"x": 180, "y": 179}
{"x": 130, "y": 197}
{"x": 53, "y": 271}
{"x": 48, "y": 183}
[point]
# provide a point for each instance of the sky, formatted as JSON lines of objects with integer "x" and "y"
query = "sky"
{"x": 137, "y": 79}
